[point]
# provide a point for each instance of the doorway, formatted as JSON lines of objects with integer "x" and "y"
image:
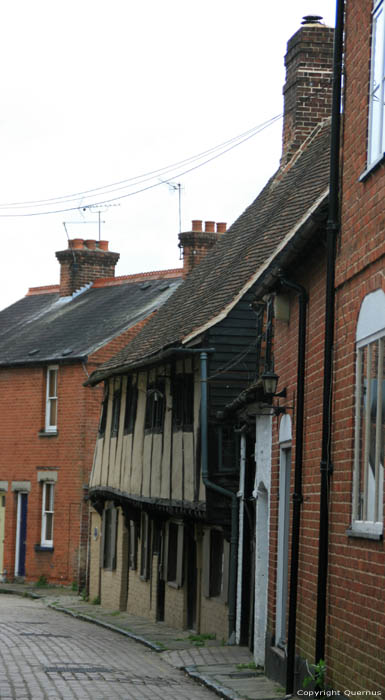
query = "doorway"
{"x": 2, "y": 531}
{"x": 21, "y": 533}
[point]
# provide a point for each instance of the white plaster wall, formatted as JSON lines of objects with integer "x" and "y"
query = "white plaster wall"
{"x": 262, "y": 494}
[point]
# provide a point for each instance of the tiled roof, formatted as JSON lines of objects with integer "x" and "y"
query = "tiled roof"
{"x": 239, "y": 257}
{"x": 44, "y": 327}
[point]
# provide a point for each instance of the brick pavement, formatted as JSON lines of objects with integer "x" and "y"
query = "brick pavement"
{"x": 228, "y": 670}
{"x": 49, "y": 655}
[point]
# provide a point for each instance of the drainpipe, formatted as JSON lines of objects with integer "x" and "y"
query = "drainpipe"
{"x": 241, "y": 497}
{"x": 332, "y": 229}
{"x": 224, "y": 492}
{"x": 297, "y": 495}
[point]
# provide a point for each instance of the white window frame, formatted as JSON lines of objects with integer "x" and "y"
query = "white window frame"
{"x": 368, "y": 479}
{"x": 376, "y": 131}
{"x": 50, "y": 427}
{"x": 48, "y": 509}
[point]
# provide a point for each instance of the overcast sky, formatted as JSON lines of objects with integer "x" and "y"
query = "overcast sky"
{"x": 95, "y": 92}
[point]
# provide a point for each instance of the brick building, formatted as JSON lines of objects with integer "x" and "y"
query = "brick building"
{"x": 325, "y": 595}
{"x": 49, "y": 343}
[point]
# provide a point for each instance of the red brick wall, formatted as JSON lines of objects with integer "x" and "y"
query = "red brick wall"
{"x": 23, "y": 452}
{"x": 356, "y": 611}
{"x": 312, "y": 278}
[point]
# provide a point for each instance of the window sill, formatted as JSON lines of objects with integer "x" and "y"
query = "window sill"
{"x": 43, "y": 548}
{"x": 51, "y": 433}
{"x": 366, "y": 530}
{"x": 371, "y": 168}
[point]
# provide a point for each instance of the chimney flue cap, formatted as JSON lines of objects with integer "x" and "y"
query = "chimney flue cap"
{"x": 311, "y": 19}
{"x": 196, "y": 225}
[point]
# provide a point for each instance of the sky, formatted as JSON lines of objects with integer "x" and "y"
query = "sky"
{"x": 99, "y": 92}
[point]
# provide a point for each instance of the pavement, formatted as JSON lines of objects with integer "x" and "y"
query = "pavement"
{"x": 229, "y": 671}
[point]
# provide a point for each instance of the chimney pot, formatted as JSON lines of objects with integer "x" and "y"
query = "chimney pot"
{"x": 311, "y": 19}
{"x": 196, "y": 225}
{"x": 90, "y": 244}
{"x": 209, "y": 226}
{"x": 103, "y": 245}
{"x": 76, "y": 243}
{"x": 221, "y": 227}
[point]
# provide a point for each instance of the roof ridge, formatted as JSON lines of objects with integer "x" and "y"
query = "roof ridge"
{"x": 174, "y": 273}
{"x": 48, "y": 289}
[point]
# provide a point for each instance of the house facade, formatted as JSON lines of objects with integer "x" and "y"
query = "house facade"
{"x": 159, "y": 482}
{"x": 49, "y": 343}
{"x": 325, "y": 596}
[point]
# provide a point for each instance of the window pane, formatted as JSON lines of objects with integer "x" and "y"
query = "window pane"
{"x": 52, "y": 382}
{"x": 49, "y": 526}
{"x": 53, "y": 412}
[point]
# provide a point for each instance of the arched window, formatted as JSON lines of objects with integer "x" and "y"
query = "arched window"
{"x": 368, "y": 474}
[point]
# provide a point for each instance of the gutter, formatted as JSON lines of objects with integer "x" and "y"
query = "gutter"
{"x": 332, "y": 229}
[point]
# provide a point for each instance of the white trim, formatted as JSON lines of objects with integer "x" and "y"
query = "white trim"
{"x": 371, "y": 319}
{"x": 367, "y": 527}
{"x": 258, "y": 273}
{"x": 44, "y": 511}
{"x": 47, "y": 475}
{"x": 24, "y": 486}
{"x": 51, "y": 428}
{"x": 3, "y": 485}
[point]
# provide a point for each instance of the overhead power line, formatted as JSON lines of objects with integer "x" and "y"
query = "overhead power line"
{"x": 101, "y": 193}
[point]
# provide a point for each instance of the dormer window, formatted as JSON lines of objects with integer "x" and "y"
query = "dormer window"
{"x": 51, "y": 399}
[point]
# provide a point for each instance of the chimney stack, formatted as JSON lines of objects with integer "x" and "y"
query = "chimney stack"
{"x": 196, "y": 243}
{"x": 308, "y": 88}
{"x": 84, "y": 262}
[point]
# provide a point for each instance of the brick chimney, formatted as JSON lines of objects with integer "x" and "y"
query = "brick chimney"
{"x": 308, "y": 88}
{"x": 83, "y": 262}
{"x": 196, "y": 243}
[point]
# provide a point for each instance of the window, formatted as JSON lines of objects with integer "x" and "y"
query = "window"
{"x": 145, "y": 547}
{"x": 109, "y": 527}
{"x": 174, "y": 553}
{"x": 130, "y": 412}
{"x": 376, "y": 140}
{"x": 183, "y": 402}
{"x": 155, "y": 406}
{"x": 216, "y": 564}
{"x": 47, "y": 514}
{"x": 133, "y": 545}
{"x": 103, "y": 415}
{"x": 115, "y": 413}
{"x": 51, "y": 400}
{"x": 368, "y": 475}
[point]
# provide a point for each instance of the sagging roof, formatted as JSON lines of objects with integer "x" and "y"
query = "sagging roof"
{"x": 44, "y": 327}
{"x": 239, "y": 259}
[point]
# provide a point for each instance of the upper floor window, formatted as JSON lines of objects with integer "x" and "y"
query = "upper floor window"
{"x": 116, "y": 412}
{"x": 368, "y": 475}
{"x": 51, "y": 399}
{"x": 155, "y": 406}
{"x": 130, "y": 411}
{"x": 183, "y": 401}
{"x": 376, "y": 139}
{"x": 103, "y": 415}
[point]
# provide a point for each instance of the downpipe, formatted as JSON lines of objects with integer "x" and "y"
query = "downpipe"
{"x": 224, "y": 492}
{"x": 331, "y": 231}
{"x": 297, "y": 495}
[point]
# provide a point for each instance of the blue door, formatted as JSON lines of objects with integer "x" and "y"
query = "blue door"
{"x": 22, "y": 532}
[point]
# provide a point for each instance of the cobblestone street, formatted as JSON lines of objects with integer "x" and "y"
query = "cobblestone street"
{"x": 48, "y": 655}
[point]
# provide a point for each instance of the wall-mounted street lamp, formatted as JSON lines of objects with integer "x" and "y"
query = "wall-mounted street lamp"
{"x": 270, "y": 383}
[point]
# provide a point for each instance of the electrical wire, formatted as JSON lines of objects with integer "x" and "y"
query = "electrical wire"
{"x": 151, "y": 174}
{"x": 231, "y": 144}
